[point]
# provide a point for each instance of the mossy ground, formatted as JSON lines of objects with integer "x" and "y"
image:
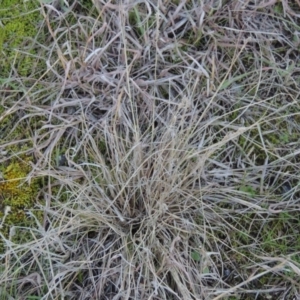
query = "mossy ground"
{"x": 18, "y": 30}
{"x": 19, "y": 27}
{"x": 19, "y": 196}
{"x": 18, "y": 192}
{"x": 21, "y": 30}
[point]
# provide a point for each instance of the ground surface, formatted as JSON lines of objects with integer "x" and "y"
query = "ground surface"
{"x": 149, "y": 149}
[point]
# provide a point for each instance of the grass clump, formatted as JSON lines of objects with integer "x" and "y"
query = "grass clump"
{"x": 167, "y": 136}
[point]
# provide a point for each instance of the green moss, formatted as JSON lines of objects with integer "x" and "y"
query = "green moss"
{"x": 18, "y": 195}
{"x": 19, "y": 23}
{"x": 15, "y": 193}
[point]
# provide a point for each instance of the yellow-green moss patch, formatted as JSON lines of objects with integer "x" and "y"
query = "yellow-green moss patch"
{"x": 19, "y": 24}
{"x": 17, "y": 194}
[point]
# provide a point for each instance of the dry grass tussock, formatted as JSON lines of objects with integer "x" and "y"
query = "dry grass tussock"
{"x": 167, "y": 137}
